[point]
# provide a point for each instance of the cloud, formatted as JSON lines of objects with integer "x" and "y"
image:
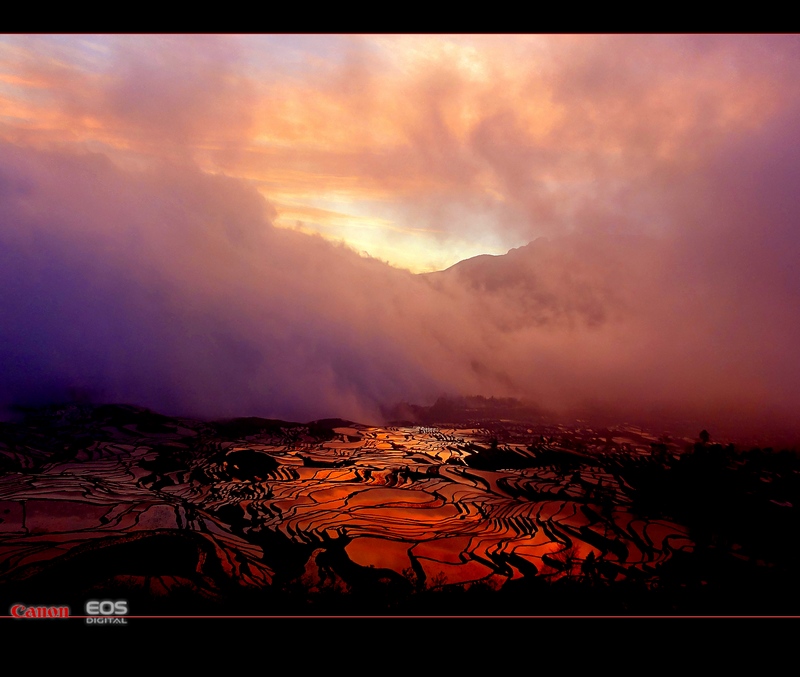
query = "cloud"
{"x": 171, "y": 288}
{"x": 657, "y": 172}
{"x": 165, "y": 96}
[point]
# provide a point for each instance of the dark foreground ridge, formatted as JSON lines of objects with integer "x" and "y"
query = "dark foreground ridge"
{"x": 256, "y": 516}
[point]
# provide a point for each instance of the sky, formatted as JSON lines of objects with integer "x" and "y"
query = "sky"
{"x": 222, "y": 225}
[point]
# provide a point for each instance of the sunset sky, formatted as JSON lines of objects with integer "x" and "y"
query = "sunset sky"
{"x": 226, "y": 225}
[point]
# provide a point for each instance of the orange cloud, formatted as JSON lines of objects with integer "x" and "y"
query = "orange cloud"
{"x": 661, "y": 169}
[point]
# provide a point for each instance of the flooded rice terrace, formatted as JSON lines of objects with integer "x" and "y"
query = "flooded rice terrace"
{"x": 253, "y": 516}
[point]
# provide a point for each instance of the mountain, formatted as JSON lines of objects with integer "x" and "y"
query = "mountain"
{"x": 563, "y": 282}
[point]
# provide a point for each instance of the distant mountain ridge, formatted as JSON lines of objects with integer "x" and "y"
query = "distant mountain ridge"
{"x": 545, "y": 282}
{"x": 462, "y": 410}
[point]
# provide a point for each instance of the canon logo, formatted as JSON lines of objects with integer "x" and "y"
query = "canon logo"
{"x": 22, "y": 611}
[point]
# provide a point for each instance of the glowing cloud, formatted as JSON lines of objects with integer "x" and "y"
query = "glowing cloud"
{"x": 154, "y": 190}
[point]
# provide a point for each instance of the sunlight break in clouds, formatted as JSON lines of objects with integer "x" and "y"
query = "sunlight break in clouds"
{"x": 225, "y": 225}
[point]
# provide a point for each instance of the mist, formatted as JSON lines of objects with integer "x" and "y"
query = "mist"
{"x": 171, "y": 289}
{"x": 652, "y": 240}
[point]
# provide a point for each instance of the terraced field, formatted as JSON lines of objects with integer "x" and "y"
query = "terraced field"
{"x": 259, "y": 516}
